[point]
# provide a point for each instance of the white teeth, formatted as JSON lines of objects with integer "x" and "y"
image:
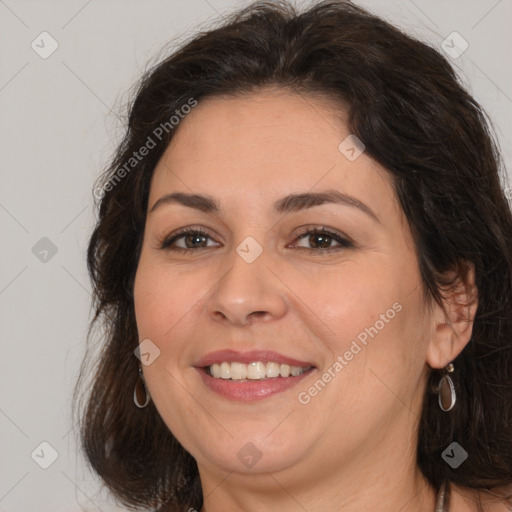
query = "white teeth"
{"x": 256, "y": 370}
{"x": 285, "y": 370}
{"x": 272, "y": 369}
{"x": 295, "y": 370}
{"x": 215, "y": 370}
{"x": 238, "y": 371}
{"x": 225, "y": 371}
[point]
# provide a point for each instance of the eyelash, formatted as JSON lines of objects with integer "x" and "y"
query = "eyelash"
{"x": 344, "y": 243}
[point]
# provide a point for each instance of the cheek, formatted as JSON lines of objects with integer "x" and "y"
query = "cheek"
{"x": 348, "y": 299}
{"x": 164, "y": 308}
{"x": 368, "y": 316}
{"x": 162, "y": 298}
{"x": 369, "y": 322}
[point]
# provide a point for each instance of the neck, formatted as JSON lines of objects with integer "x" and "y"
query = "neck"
{"x": 384, "y": 480}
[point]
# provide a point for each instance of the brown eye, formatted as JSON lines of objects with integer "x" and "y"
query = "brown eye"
{"x": 322, "y": 239}
{"x": 194, "y": 240}
{"x": 186, "y": 240}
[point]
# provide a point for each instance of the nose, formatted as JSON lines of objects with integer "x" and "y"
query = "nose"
{"x": 247, "y": 292}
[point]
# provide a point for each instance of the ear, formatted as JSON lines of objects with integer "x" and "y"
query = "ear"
{"x": 452, "y": 324}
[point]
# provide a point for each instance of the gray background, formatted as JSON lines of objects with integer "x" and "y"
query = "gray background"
{"x": 57, "y": 131}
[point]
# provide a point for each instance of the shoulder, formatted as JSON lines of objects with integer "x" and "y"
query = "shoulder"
{"x": 467, "y": 500}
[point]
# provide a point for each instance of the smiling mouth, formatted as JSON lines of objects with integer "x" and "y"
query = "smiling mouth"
{"x": 257, "y": 370}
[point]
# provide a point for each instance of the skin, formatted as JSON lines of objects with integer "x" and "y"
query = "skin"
{"x": 352, "y": 447}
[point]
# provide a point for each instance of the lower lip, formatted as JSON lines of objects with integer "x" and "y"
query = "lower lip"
{"x": 249, "y": 391}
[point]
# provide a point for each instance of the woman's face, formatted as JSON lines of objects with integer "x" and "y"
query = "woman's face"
{"x": 341, "y": 309}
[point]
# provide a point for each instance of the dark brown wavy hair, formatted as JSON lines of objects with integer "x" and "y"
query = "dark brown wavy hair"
{"x": 406, "y": 104}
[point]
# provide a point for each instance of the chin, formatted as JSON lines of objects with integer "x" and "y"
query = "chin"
{"x": 250, "y": 453}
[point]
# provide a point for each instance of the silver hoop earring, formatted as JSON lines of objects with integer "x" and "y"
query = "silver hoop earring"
{"x": 141, "y": 396}
{"x": 447, "y": 396}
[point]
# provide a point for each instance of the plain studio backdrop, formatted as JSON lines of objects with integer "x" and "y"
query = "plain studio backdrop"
{"x": 66, "y": 69}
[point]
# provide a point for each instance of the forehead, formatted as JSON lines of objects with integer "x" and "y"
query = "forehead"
{"x": 264, "y": 126}
{"x": 264, "y": 145}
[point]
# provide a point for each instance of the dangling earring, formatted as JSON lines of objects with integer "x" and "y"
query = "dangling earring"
{"x": 446, "y": 390}
{"x": 140, "y": 392}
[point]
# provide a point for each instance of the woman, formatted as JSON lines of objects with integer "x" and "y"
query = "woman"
{"x": 303, "y": 268}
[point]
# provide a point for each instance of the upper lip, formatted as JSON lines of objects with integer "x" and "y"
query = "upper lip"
{"x": 233, "y": 356}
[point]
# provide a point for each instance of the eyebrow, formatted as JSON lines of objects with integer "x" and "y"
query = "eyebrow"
{"x": 290, "y": 203}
